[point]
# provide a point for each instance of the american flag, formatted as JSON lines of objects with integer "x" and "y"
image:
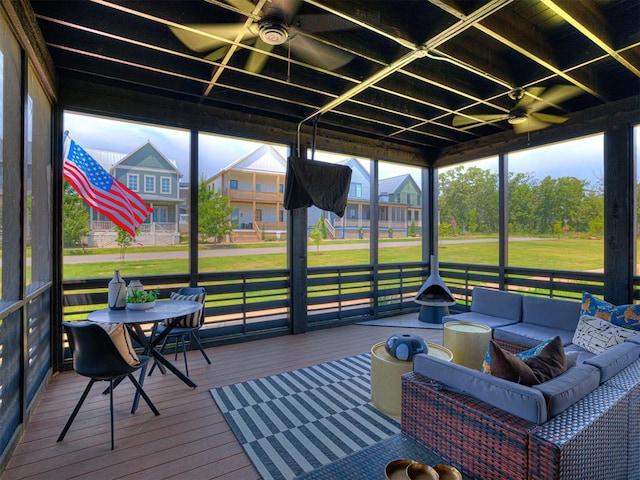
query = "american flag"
{"x": 103, "y": 192}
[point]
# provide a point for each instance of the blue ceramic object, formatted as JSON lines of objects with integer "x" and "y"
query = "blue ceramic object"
{"x": 404, "y": 346}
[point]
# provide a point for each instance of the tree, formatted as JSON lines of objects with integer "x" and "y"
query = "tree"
{"x": 412, "y": 229}
{"x": 316, "y": 233}
{"x": 123, "y": 240}
{"x": 470, "y": 196}
{"x": 214, "y": 211}
{"x": 75, "y": 217}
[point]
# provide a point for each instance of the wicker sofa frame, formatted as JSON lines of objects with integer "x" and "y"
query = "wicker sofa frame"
{"x": 597, "y": 437}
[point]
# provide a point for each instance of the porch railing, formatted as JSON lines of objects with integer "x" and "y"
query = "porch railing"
{"x": 252, "y": 304}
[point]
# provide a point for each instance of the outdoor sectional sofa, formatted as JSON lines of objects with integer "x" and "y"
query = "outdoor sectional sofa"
{"x": 582, "y": 424}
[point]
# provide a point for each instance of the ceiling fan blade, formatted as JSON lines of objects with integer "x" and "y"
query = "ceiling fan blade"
{"x": 218, "y": 53}
{"x": 461, "y": 121}
{"x": 282, "y": 9}
{"x": 243, "y": 5}
{"x": 314, "y": 52}
{"x": 255, "y": 62}
{"x": 201, "y": 42}
{"x": 314, "y": 23}
{"x": 548, "y": 118}
{"x": 527, "y": 100}
{"x": 554, "y": 96}
{"x": 530, "y": 125}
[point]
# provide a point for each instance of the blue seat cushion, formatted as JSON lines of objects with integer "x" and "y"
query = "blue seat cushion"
{"x": 530, "y": 334}
{"x": 475, "y": 317}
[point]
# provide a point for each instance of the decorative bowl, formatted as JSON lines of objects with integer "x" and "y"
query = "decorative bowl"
{"x": 404, "y": 346}
{"x": 141, "y": 306}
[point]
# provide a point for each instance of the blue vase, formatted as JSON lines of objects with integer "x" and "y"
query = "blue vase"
{"x": 404, "y": 346}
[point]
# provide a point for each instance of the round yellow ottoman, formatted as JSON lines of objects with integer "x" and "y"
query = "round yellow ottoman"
{"x": 467, "y": 341}
{"x": 386, "y": 376}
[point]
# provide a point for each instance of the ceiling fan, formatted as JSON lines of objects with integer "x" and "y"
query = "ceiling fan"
{"x": 276, "y": 24}
{"x": 525, "y": 116}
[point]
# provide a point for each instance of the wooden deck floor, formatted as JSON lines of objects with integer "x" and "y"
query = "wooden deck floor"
{"x": 190, "y": 439}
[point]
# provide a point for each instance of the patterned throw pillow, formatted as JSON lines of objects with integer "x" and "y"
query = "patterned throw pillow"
{"x": 627, "y": 316}
{"x": 193, "y": 319}
{"x": 524, "y": 355}
{"x": 596, "y": 335}
{"x": 548, "y": 364}
{"x": 122, "y": 340}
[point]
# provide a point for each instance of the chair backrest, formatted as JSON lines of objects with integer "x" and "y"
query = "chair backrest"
{"x": 196, "y": 294}
{"x": 94, "y": 353}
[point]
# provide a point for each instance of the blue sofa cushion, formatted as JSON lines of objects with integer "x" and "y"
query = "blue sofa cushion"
{"x": 482, "y": 318}
{"x": 551, "y": 312}
{"x": 564, "y": 390}
{"x": 529, "y": 334}
{"x": 497, "y": 303}
{"x": 520, "y": 400}
{"x": 627, "y": 316}
{"x": 615, "y": 359}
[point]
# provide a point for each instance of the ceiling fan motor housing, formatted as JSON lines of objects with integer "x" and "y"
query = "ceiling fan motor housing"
{"x": 273, "y": 31}
{"x": 517, "y": 115}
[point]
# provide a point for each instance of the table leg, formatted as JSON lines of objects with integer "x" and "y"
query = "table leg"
{"x": 162, "y": 362}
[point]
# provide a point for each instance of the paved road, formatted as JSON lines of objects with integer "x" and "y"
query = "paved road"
{"x": 131, "y": 255}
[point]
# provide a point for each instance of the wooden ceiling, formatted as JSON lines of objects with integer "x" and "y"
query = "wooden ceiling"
{"x": 418, "y": 75}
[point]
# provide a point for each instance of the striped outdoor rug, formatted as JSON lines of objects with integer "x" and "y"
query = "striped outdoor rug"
{"x": 298, "y": 421}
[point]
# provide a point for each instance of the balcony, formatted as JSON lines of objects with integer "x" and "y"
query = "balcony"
{"x": 251, "y": 196}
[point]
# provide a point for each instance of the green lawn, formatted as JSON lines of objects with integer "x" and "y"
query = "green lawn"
{"x": 559, "y": 254}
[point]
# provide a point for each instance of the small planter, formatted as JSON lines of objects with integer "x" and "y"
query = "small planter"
{"x": 141, "y": 306}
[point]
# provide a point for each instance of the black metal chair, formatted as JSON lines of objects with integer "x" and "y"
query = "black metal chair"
{"x": 95, "y": 355}
{"x": 186, "y": 327}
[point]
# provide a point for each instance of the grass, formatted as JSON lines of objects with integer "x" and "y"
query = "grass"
{"x": 558, "y": 254}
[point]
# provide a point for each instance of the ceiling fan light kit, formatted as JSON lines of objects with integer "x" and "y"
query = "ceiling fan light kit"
{"x": 273, "y": 31}
{"x": 517, "y": 116}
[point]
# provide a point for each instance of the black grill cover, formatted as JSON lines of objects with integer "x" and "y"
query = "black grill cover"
{"x": 325, "y": 185}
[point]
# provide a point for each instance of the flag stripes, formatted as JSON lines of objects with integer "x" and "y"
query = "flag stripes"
{"x": 103, "y": 192}
{"x": 295, "y": 422}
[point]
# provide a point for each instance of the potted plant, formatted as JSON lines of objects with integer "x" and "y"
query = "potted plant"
{"x": 361, "y": 233}
{"x": 142, "y": 300}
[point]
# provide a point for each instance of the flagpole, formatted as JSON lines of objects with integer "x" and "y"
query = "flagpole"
{"x": 65, "y": 137}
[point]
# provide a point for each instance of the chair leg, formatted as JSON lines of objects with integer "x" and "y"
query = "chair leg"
{"x": 197, "y": 340}
{"x": 143, "y": 394}
{"x": 184, "y": 353}
{"x": 76, "y": 410}
{"x": 111, "y": 410}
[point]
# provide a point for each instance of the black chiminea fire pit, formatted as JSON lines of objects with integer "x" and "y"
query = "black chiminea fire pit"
{"x": 434, "y": 296}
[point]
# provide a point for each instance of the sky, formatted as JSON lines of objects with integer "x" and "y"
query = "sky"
{"x": 580, "y": 158}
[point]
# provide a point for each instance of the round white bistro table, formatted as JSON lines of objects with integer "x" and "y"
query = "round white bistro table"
{"x": 134, "y": 319}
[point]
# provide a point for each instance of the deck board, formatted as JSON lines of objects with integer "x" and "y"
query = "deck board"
{"x": 190, "y": 439}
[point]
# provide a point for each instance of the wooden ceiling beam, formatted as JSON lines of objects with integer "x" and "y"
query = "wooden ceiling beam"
{"x": 523, "y": 38}
{"x": 585, "y": 17}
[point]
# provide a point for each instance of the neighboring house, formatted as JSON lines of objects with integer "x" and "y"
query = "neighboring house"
{"x": 255, "y": 187}
{"x": 400, "y": 200}
{"x": 255, "y": 183}
{"x": 157, "y": 180}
